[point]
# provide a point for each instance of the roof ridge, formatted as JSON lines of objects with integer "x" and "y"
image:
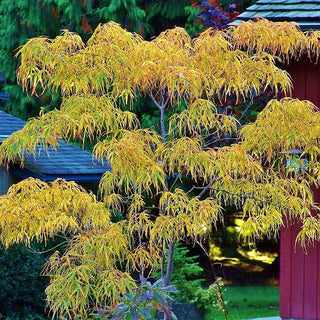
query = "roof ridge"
{"x": 304, "y": 12}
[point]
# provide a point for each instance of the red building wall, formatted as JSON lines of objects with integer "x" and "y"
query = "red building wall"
{"x": 300, "y": 272}
{"x": 299, "y": 278}
{"x": 306, "y": 80}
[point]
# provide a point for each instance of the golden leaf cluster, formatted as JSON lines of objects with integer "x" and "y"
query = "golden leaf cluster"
{"x": 121, "y": 63}
{"x": 281, "y": 39}
{"x": 33, "y": 209}
{"x": 297, "y": 128}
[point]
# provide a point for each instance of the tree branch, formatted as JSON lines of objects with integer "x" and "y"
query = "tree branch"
{"x": 48, "y": 250}
{"x": 219, "y": 140}
{"x": 243, "y": 113}
{"x": 174, "y": 182}
{"x": 216, "y": 281}
{"x": 161, "y": 107}
{"x": 208, "y": 187}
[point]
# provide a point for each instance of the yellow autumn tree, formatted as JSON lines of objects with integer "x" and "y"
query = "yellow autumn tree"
{"x": 170, "y": 182}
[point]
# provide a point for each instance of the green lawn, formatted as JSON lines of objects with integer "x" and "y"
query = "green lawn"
{"x": 245, "y": 302}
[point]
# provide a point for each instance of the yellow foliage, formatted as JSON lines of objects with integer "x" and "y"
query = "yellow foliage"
{"x": 310, "y": 231}
{"x": 284, "y": 126}
{"x": 181, "y": 216}
{"x": 121, "y": 62}
{"x": 234, "y": 162}
{"x": 267, "y": 203}
{"x": 87, "y": 273}
{"x": 144, "y": 258}
{"x": 131, "y": 156}
{"x": 33, "y": 209}
{"x": 200, "y": 117}
{"x": 184, "y": 155}
{"x": 171, "y": 204}
{"x": 283, "y": 39}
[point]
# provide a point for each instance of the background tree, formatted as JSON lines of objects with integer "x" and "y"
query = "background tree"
{"x": 21, "y": 20}
{"x": 167, "y": 183}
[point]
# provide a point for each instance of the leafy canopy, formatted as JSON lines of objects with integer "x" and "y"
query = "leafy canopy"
{"x": 167, "y": 184}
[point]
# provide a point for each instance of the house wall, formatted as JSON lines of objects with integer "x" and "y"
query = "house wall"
{"x": 299, "y": 277}
{"x": 299, "y": 270}
{"x": 6, "y": 180}
{"x": 306, "y": 80}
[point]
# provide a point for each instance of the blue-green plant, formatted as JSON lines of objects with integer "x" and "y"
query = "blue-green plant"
{"x": 143, "y": 302}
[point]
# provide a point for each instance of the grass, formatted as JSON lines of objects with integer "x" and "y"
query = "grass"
{"x": 246, "y": 302}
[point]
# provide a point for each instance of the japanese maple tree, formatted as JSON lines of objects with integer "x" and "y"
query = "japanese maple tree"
{"x": 167, "y": 183}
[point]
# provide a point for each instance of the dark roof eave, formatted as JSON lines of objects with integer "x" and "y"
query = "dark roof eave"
{"x": 24, "y": 173}
{"x": 304, "y": 25}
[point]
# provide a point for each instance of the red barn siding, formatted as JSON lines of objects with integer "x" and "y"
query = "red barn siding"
{"x": 299, "y": 272}
{"x": 299, "y": 278}
{"x": 285, "y": 272}
{"x": 306, "y": 80}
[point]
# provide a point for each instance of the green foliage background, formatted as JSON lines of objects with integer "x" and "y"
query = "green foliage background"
{"x": 186, "y": 274}
{"x": 24, "y": 19}
{"x": 22, "y": 287}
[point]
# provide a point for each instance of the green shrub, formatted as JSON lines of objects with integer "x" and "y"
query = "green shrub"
{"x": 26, "y": 317}
{"x": 22, "y": 289}
{"x": 185, "y": 274}
{"x": 207, "y": 299}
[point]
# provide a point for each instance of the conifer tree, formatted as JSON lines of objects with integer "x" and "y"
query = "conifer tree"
{"x": 21, "y": 20}
{"x": 167, "y": 183}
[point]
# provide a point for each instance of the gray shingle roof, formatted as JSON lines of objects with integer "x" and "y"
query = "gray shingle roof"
{"x": 9, "y": 124}
{"x": 305, "y": 12}
{"x": 68, "y": 161}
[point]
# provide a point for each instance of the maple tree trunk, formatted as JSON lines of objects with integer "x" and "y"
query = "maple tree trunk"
{"x": 169, "y": 269}
{"x": 161, "y": 107}
{"x": 162, "y": 124}
{"x": 170, "y": 263}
